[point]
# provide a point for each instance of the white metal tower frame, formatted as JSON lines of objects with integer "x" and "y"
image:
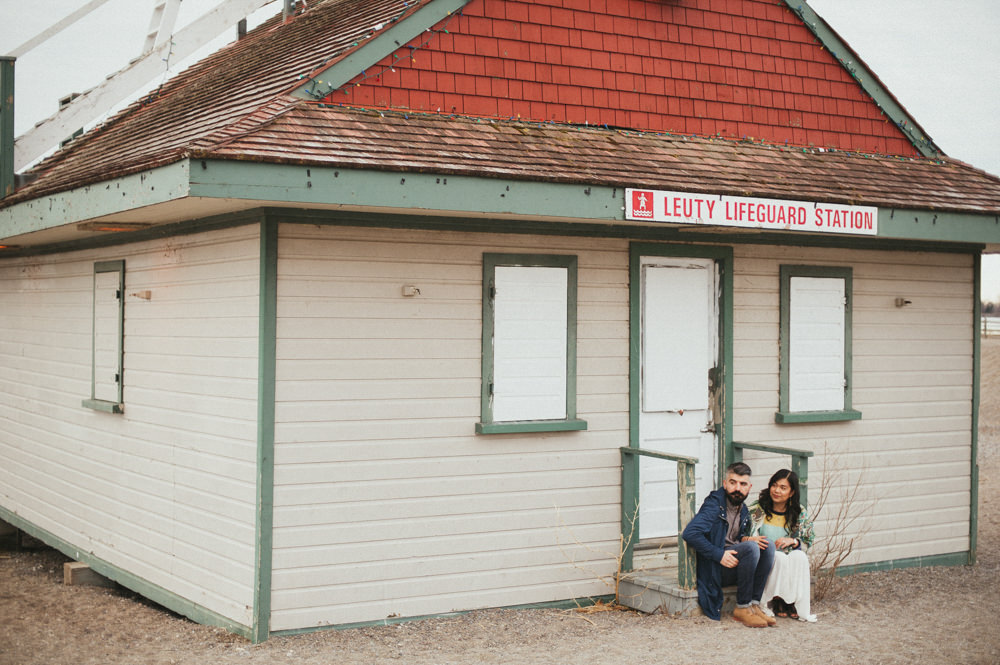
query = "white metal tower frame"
{"x": 162, "y": 45}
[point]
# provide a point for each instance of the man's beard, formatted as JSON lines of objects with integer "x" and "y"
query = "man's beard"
{"x": 736, "y": 497}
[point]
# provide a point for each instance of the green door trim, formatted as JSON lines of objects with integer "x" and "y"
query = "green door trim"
{"x": 723, "y": 257}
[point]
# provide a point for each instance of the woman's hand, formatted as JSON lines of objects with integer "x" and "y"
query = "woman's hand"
{"x": 760, "y": 540}
{"x": 782, "y": 543}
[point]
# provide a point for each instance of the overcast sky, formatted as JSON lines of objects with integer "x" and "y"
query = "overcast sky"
{"x": 940, "y": 60}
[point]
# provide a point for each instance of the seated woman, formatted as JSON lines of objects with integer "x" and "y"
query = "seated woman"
{"x": 778, "y": 515}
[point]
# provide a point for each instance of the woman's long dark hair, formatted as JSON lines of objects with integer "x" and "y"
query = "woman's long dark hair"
{"x": 794, "y": 507}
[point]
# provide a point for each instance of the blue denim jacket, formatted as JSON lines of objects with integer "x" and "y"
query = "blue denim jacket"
{"x": 706, "y": 534}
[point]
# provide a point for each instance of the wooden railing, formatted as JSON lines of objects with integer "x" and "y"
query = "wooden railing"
{"x": 686, "y": 498}
{"x": 685, "y": 509}
{"x": 800, "y": 462}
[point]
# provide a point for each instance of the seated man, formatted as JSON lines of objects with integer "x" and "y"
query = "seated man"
{"x": 725, "y": 557}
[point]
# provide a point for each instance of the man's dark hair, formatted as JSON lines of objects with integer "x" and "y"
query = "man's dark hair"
{"x": 739, "y": 469}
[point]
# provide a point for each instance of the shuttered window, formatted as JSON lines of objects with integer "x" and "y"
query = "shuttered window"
{"x": 108, "y": 337}
{"x": 529, "y": 344}
{"x": 815, "y": 345}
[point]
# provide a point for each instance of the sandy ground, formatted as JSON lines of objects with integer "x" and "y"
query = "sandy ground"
{"x": 930, "y": 615}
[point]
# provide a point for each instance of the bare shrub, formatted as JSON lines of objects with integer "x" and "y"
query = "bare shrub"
{"x": 611, "y": 580}
{"x": 847, "y": 521}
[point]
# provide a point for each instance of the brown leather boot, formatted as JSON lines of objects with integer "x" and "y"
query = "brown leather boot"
{"x": 759, "y": 611}
{"x": 748, "y": 617}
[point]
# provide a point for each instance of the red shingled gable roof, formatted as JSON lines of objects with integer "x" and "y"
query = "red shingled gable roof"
{"x": 732, "y": 68}
{"x": 237, "y": 104}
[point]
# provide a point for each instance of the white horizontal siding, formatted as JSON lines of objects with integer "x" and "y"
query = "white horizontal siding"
{"x": 386, "y": 502}
{"x": 912, "y": 381}
{"x": 166, "y": 490}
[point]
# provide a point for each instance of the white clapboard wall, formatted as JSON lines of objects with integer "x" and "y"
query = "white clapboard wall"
{"x": 912, "y": 382}
{"x": 165, "y": 490}
{"x": 386, "y": 501}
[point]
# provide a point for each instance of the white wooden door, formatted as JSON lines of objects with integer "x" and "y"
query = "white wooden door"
{"x": 679, "y": 348}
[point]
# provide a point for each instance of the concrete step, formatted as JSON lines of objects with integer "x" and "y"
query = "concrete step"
{"x": 656, "y": 590}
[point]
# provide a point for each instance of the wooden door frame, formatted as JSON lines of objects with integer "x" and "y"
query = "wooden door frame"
{"x": 723, "y": 256}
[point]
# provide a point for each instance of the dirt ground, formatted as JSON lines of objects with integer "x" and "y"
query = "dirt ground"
{"x": 929, "y": 615}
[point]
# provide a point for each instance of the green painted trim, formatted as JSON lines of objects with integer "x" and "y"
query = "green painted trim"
{"x": 397, "y": 36}
{"x": 407, "y": 192}
{"x": 522, "y": 426}
{"x": 100, "y": 267}
{"x": 977, "y": 354}
{"x": 189, "y": 227}
{"x": 266, "y": 373}
{"x": 6, "y": 126}
{"x": 458, "y": 201}
{"x": 664, "y": 456}
{"x": 569, "y": 604}
{"x": 101, "y": 405}
{"x": 130, "y": 192}
{"x": 788, "y": 418}
{"x": 865, "y": 78}
{"x": 723, "y": 257}
{"x": 936, "y": 226}
{"x": 768, "y": 448}
{"x": 153, "y": 592}
{"x": 487, "y": 425}
{"x": 443, "y": 201}
{"x": 787, "y": 273}
{"x": 587, "y": 229}
{"x": 954, "y": 559}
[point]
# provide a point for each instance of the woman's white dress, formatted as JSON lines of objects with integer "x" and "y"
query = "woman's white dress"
{"x": 790, "y": 576}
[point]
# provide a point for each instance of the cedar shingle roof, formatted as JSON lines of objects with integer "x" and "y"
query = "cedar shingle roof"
{"x": 235, "y": 105}
{"x": 216, "y": 96}
{"x": 396, "y": 141}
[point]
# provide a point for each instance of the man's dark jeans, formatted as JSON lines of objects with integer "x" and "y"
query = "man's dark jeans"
{"x": 750, "y": 575}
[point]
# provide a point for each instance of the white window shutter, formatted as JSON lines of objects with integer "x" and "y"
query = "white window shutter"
{"x": 529, "y": 343}
{"x": 107, "y": 336}
{"x": 817, "y": 344}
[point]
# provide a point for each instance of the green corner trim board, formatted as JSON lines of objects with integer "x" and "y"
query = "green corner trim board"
{"x": 977, "y": 356}
{"x": 267, "y": 340}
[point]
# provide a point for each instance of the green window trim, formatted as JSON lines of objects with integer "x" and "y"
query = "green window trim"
{"x": 488, "y": 424}
{"x": 785, "y": 415}
{"x": 102, "y": 403}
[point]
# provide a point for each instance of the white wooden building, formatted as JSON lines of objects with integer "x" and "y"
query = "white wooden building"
{"x": 281, "y": 360}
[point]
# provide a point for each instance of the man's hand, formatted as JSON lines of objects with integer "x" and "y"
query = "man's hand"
{"x": 760, "y": 540}
{"x": 729, "y": 559}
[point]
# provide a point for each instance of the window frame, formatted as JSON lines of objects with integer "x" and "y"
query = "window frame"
{"x": 784, "y": 414}
{"x": 117, "y": 406}
{"x": 487, "y": 424}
